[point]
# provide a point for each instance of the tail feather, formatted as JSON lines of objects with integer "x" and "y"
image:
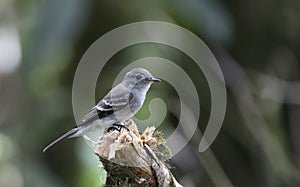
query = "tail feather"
{"x": 68, "y": 134}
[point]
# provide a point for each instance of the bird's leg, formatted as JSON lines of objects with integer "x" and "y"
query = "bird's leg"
{"x": 118, "y": 127}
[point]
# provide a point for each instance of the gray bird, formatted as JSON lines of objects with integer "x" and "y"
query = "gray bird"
{"x": 119, "y": 105}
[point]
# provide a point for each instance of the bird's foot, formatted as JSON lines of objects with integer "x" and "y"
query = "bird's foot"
{"x": 118, "y": 127}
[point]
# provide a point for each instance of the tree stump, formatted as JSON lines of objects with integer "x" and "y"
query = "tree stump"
{"x": 134, "y": 159}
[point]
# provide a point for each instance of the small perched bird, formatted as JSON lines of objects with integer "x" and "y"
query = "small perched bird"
{"x": 119, "y": 105}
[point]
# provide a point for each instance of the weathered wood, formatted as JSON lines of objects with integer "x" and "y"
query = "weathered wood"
{"x": 134, "y": 159}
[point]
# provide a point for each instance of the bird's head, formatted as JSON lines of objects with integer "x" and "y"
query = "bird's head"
{"x": 139, "y": 78}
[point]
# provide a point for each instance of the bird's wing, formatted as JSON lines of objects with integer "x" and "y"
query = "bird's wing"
{"x": 118, "y": 98}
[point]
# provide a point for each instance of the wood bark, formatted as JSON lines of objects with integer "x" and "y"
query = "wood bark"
{"x": 131, "y": 158}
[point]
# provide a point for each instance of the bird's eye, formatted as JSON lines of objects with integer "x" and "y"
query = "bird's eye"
{"x": 138, "y": 77}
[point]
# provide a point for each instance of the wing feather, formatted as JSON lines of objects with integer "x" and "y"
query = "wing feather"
{"x": 119, "y": 97}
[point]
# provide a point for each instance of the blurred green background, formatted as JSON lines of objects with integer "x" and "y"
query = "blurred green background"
{"x": 256, "y": 43}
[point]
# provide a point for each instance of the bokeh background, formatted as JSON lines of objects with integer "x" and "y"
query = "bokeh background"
{"x": 257, "y": 44}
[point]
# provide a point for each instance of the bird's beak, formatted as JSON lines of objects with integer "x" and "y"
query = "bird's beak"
{"x": 153, "y": 79}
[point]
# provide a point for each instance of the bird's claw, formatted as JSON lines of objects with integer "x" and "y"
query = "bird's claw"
{"x": 118, "y": 127}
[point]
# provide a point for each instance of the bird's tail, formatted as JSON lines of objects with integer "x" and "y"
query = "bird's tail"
{"x": 68, "y": 134}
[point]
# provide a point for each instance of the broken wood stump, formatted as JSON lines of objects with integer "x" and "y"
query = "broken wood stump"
{"x": 134, "y": 159}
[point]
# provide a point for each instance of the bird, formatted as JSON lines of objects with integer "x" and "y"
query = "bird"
{"x": 121, "y": 103}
